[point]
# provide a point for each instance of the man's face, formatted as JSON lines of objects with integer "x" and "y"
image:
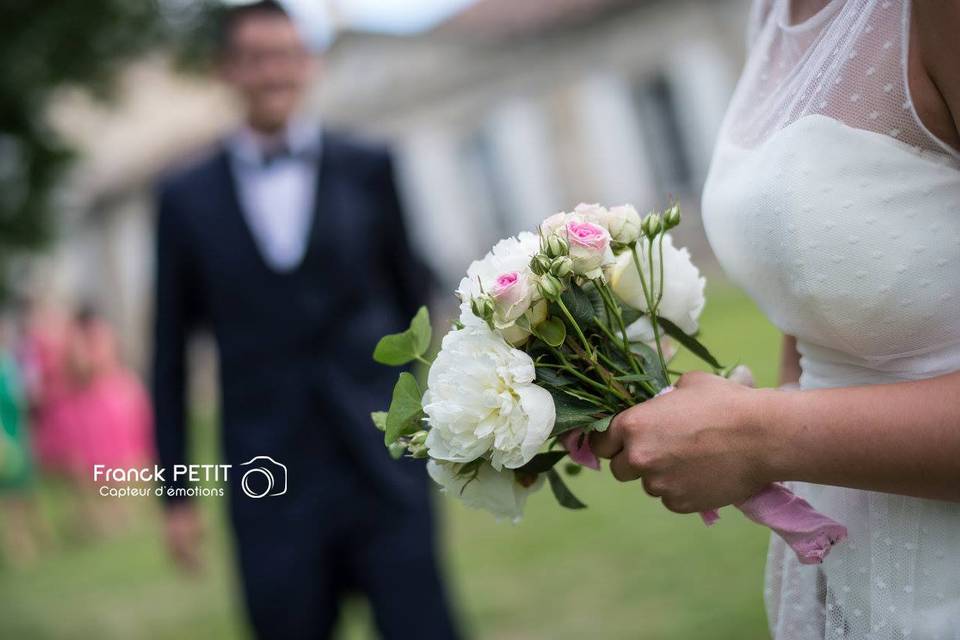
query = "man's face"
{"x": 268, "y": 64}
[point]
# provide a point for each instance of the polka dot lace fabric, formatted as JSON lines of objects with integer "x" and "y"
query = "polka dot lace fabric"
{"x": 831, "y": 203}
{"x": 847, "y": 62}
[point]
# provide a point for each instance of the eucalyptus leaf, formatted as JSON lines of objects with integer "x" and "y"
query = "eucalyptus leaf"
{"x": 562, "y": 493}
{"x": 406, "y": 410}
{"x": 400, "y": 348}
{"x": 691, "y": 343}
{"x": 542, "y": 462}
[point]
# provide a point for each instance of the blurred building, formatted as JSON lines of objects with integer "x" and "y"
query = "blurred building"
{"x": 503, "y": 114}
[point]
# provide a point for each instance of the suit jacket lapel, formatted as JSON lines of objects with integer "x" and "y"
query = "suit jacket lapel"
{"x": 333, "y": 236}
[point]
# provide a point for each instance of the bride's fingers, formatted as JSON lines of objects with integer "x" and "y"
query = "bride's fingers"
{"x": 608, "y": 443}
{"x": 622, "y": 468}
{"x": 653, "y": 487}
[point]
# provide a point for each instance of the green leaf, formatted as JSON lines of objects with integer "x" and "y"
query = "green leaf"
{"x": 546, "y": 375}
{"x": 571, "y": 413}
{"x": 596, "y": 300}
{"x": 542, "y": 462}
{"x": 579, "y": 305}
{"x": 400, "y": 348}
{"x": 636, "y": 377}
{"x": 379, "y": 420}
{"x": 562, "y": 493}
{"x": 405, "y": 409}
{"x": 422, "y": 331}
{"x": 692, "y": 344}
{"x": 650, "y": 363}
{"x": 629, "y": 314}
{"x": 600, "y": 424}
{"x": 552, "y": 331}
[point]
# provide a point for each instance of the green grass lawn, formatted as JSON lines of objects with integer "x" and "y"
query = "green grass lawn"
{"x": 624, "y": 568}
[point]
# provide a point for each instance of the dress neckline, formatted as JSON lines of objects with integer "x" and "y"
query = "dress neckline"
{"x": 817, "y": 19}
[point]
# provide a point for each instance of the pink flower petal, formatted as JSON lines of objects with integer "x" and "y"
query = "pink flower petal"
{"x": 579, "y": 449}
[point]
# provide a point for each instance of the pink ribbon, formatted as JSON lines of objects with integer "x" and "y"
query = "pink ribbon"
{"x": 809, "y": 533}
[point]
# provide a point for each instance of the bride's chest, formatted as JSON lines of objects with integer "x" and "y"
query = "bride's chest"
{"x": 837, "y": 232}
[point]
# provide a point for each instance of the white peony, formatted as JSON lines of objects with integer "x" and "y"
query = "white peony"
{"x": 505, "y": 274}
{"x": 683, "y": 286}
{"x": 481, "y": 400}
{"x": 642, "y": 331}
{"x": 498, "y": 492}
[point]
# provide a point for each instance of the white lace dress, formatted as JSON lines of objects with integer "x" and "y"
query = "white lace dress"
{"x": 839, "y": 212}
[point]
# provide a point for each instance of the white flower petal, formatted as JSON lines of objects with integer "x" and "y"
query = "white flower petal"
{"x": 495, "y": 491}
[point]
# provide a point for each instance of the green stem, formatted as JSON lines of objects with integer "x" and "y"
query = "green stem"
{"x": 660, "y": 247}
{"x": 612, "y": 385}
{"x": 648, "y": 296}
{"x": 573, "y": 370}
{"x": 585, "y": 396}
{"x": 576, "y": 327}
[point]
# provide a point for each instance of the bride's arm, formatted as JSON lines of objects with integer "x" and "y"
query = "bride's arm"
{"x": 713, "y": 442}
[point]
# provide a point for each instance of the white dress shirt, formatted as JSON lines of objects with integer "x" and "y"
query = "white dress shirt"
{"x": 276, "y": 183}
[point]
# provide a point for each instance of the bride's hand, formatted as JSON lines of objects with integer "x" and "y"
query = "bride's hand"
{"x": 699, "y": 447}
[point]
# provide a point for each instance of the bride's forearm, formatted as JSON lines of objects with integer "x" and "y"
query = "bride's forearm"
{"x": 899, "y": 438}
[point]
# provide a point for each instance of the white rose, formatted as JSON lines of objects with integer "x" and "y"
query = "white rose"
{"x": 505, "y": 274}
{"x": 498, "y": 492}
{"x": 554, "y": 224}
{"x": 594, "y": 213}
{"x": 481, "y": 399}
{"x": 683, "y": 298}
{"x": 623, "y": 223}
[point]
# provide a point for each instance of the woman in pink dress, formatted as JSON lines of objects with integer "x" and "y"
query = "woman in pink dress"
{"x": 109, "y": 408}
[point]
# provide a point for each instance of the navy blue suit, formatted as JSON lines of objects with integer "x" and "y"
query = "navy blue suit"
{"x": 298, "y": 385}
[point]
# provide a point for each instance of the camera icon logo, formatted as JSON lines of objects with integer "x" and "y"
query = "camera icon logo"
{"x": 264, "y": 477}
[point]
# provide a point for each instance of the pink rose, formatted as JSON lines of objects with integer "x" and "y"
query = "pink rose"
{"x": 512, "y": 295}
{"x": 589, "y": 247}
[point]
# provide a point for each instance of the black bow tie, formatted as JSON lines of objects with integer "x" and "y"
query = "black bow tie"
{"x": 274, "y": 154}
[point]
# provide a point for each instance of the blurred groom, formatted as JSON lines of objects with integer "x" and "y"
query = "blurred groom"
{"x": 288, "y": 242}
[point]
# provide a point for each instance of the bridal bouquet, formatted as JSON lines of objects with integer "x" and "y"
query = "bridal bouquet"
{"x": 558, "y": 332}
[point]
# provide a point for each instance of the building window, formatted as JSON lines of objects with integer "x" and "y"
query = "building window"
{"x": 666, "y": 144}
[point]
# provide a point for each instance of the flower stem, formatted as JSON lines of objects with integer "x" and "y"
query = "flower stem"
{"x": 577, "y": 374}
{"x": 576, "y": 327}
{"x": 612, "y": 385}
{"x": 648, "y": 295}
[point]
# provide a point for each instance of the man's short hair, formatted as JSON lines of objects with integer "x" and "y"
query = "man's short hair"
{"x": 235, "y": 14}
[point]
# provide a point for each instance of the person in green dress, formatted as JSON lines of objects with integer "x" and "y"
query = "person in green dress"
{"x": 23, "y": 528}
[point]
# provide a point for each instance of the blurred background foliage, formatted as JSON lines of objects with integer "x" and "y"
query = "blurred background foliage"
{"x": 52, "y": 45}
